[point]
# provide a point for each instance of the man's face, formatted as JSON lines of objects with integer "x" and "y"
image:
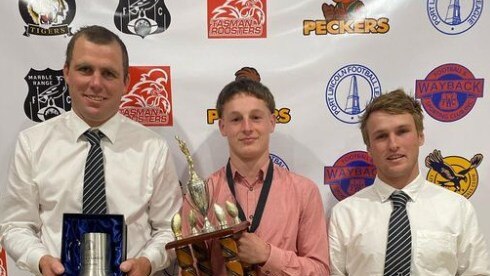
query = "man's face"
{"x": 247, "y": 123}
{"x": 394, "y": 147}
{"x": 96, "y": 80}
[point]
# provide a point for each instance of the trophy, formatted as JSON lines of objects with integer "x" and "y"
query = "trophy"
{"x": 96, "y": 254}
{"x": 193, "y": 248}
{"x": 92, "y": 244}
{"x": 197, "y": 188}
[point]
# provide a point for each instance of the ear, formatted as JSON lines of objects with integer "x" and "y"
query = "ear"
{"x": 66, "y": 71}
{"x": 273, "y": 122}
{"x": 221, "y": 124}
{"x": 421, "y": 138}
{"x": 126, "y": 84}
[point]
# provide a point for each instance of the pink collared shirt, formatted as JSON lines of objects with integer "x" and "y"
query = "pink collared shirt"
{"x": 293, "y": 222}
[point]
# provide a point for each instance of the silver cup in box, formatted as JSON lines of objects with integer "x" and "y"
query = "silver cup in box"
{"x": 96, "y": 254}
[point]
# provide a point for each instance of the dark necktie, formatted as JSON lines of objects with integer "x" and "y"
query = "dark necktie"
{"x": 399, "y": 247}
{"x": 94, "y": 201}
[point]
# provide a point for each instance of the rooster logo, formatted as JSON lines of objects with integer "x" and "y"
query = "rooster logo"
{"x": 149, "y": 92}
{"x": 241, "y": 9}
{"x": 149, "y": 95}
{"x": 455, "y": 173}
{"x": 3, "y": 263}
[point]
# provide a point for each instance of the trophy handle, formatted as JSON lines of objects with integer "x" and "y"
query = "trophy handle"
{"x": 185, "y": 260}
{"x": 229, "y": 250}
{"x": 200, "y": 250}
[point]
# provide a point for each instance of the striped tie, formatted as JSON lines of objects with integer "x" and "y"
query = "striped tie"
{"x": 94, "y": 201}
{"x": 398, "y": 250}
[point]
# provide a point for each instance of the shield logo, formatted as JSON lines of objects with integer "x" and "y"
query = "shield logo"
{"x": 47, "y": 17}
{"x": 47, "y": 95}
{"x": 142, "y": 17}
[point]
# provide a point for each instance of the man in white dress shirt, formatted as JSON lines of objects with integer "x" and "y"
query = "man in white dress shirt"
{"x": 445, "y": 237}
{"x": 46, "y": 176}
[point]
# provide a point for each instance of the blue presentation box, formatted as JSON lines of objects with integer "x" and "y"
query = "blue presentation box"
{"x": 76, "y": 225}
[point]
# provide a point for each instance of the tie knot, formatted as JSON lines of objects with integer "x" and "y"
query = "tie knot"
{"x": 399, "y": 199}
{"x": 93, "y": 136}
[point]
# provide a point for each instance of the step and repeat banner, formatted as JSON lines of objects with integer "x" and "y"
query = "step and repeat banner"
{"x": 322, "y": 59}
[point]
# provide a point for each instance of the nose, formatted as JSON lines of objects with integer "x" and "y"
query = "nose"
{"x": 95, "y": 80}
{"x": 393, "y": 142}
{"x": 246, "y": 125}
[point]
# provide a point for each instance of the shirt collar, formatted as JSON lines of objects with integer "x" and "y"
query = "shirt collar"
{"x": 109, "y": 128}
{"x": 385, "y": 190}
{"x": 260, "y": 175}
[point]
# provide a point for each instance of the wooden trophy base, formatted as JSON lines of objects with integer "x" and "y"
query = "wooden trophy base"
{"x": 200, "y": 251}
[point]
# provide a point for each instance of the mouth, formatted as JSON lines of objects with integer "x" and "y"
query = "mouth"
{"x": 395, "y": 157}
{"x": 248, "y": 140}
{"x": 95, "y": 98}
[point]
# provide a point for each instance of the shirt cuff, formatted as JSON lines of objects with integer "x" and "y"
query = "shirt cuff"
{"x": 274, "y": 263}
{"x": 33, "y": 259}
{"x": 157, "y": 260}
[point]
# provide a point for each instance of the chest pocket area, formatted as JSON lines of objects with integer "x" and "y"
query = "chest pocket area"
{"x": 435, "y": 250}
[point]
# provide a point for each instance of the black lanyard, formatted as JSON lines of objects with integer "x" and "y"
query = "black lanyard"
{"x": 259, "y": 210}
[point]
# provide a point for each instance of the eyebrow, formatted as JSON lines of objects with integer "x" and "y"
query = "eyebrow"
{"x": 397, "y": 127}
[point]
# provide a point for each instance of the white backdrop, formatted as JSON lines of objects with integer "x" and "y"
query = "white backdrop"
{"x": 396, "y": 44}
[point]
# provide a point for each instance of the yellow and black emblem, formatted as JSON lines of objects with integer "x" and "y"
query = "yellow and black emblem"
{"x": 455, "y": 173}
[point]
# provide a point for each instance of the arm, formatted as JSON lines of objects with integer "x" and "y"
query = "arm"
{"x": 19, "y": 211}
{"x": 165, "y": 201}
{"x": 312, "y": 243}
{"x": 473, "y": 257}
{"x": 337, "y": 252}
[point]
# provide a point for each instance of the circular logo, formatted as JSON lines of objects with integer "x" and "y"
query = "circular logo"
{"x": 449, "y": 92}
{"x": 278, "y": 161}
{"x": 351, "y": 173}
{"x": 349, "y": 90}
{"x": 460, "y": 176}
{"x": 454, "y": 17}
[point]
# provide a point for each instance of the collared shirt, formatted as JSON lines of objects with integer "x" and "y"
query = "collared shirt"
{"x": 45, "y": 180}
{"x": 446, "y": 239}
{"x": 293, "y": 222}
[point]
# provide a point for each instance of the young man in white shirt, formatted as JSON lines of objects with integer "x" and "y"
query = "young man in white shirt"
{"x": 441, "y": 234}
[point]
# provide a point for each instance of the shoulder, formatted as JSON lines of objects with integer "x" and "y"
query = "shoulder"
{"x": 137, "y": 132}
{"x": 357, "y": 201}
{"x": 45, "y": 126}
{"x": 42, "y": 133}
{"x": 441, "y": 195}
{"x": 295, "y": 180}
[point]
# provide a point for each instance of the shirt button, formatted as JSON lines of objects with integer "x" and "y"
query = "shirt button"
{"x": 251, "y": 189}
{"x": 251, "y": 217}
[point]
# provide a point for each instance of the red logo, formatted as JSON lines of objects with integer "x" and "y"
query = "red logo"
{"x": 351, "y": 173}
{"x": 449, "y": 92}
{"x": 149, "y": 100}
{"x": 3, "y": 263}
{"x": 237, "y": 19}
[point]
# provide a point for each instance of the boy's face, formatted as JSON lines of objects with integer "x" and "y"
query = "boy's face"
{"x": 247, "y": 124}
